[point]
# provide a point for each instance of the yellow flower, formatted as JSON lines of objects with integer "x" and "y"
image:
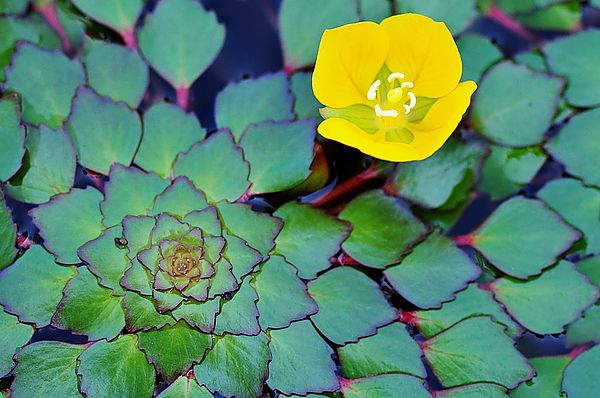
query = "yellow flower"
{"x": 392, "y": 89}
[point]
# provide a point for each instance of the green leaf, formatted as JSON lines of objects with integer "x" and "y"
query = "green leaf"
{"x": 282, "y": 296}
{"x": 13, "y": 6}
{"x": 116, "y": 369}
{"x": 547, "y": 381}
{"x": 432, "y": 182}
{"x": 49, "y": 167}
{"x": 105, "y": 259}
{"x": 547, "y": 303}
{"x": 383, "y": 229}
{"x": 90, "y": 309}
{"x": 570, "y": 57}
{"x": 8, "y": 235}
{"x": 306, "y": 105}
{"x": 577, "y": 145}
{"x": 179, "y": 199}
{"x": 300, "y": 343}
{"x": 186, "y": 346}
{"x": 391, "y": 350}
{"x": 141, "y": 314}
{"x": 562, "y": 194}
{"x": 116, "y": 72}
{"x": 199, "y": 315}
{"x": 468, "y": 303}
{"x": 46, "y": 93}
{"x": 216, "y": 166}
{"x": 279, "y": 153}
{"x": 181, "y": 39}
{"x": 68, "y": 221}
{"x": 563, "y": 17}
{"x": 120, "y": 15}
{"x": 456, "y": 14}
{"x": 478, "y": 390}
{"x": 257, "y": 229}
{"x": 301, "y": 28}
{"x": 47, "y": 369}
{"x": 580, "y": 379}
{"x": 586, "y": 329}
{"x": 13, "y": 336}
{"x": 12, "y": 137}
{"x": 129, "y": 192}
{"x": 240, "y": 314}
{"x": 265, "y": 98}
{"x": 168, "y": 130}
{"x": 516, "y": 114}
{"x": 242, "y": 257}
{"x": 185, "y": 387}
{"x": 350, "y": 305}
{"x": 309, "y": 238}
{"x": 506, "y": 170}
{"x": 476, "y": 350}
{"x": 32, "y": 287}
{"x": 374, "y": 10}
{"x": 236, "y": 366}
{"x": 478, "y": 53}
{"x": 533, "y": 59}
{"x": 385, "y": 386}
{"x": 522, "y": 237}
{"x": 96, "y": 124}
{"x": 13, "y": 30}
{"x": 425, "y": 278}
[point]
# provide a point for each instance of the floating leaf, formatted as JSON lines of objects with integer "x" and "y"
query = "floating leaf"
{"x": 64, "y": 235}
{"x": 186, "y": 347}
{"x": 179, "y": 198}
{"x": 279, "y": 153}
{"x": 516, "y": 114}
{"x": 537, "y": 237}
{"x": 116, "y": 369}
{"x": 533, "y": 60}
{"x": 309, "y": 238}
{"x": 547, "y": 303}
{"x": 116, "y": 72}
{"x": 32, "y": 287}
{"x": 391, "y": 350}
{"x": 262, "y": 99}
{"x": 49, "y": 167}
{"x": 468, "y": 303}
{"x": 506, "y": 170}
{"x": 350, "y": 305}
{"x": 300, "y": 343}
{"x": 374, "y": 10}
{"x": 425, "y": 277}
{"x": 477, "y": 390}
{"x": 168, "y": 131}
{"x": 580, "y": 379}
{"x": 557, "y": 17}
{"x": 185, "y": 387}
{"x": 576, "y": 146}
{"x": 14, "y": 336}
{"x": 569, "y": 56}
{"x": 216, "y": 166}
{"x": 432, "y": 182}
{"x": 385, "y": 386}
{"x": 46, "y": 93}
{"x": 12, "y": 137}
{"x": 306, "y": 105}
{"x": 47, "y": 369}
{"x": 8, "y": 235}
{"x": 181, "y": 39}
{"x": 301, "y": 28}
{"x": 240, "y": 314}
{"x": 90, "y": 309}
{"x": 282, "y": 296}
{"x": 382, "y": 229}
{"x": 13, "y": 6}
{"x": 476, "y": 350}
{"x": 141, "y": 313}
{"x": 456, "y": 14}
{"x": 96, "y": 124}
{"x": 120, "y": 15}
{"x": 478, "y": 53}
{"x": 547, "y": 381}
{"x": 12, "y": 31}
{"x": 236, "y": 366}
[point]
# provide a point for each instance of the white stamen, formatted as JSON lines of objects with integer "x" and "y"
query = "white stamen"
{"x": 407, "y": 84}
{"x": 386, "y": 112}
{"x": 395, "y": 75}
{"x": 411, "y": 104}
{"x": 372, "y": 93}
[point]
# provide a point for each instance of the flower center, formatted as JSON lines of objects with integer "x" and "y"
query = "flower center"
{"x": 182, "y": 261}
{"x": 398, "y": 93}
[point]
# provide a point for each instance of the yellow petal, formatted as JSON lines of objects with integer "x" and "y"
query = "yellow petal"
{"x": 441, "y": 120}
{"x": 425, "y": 52}
{"x": 347, "y": 133}
{"x": 347, "y": 63}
